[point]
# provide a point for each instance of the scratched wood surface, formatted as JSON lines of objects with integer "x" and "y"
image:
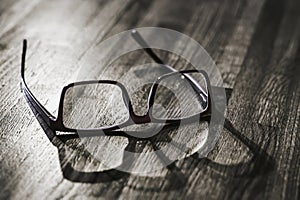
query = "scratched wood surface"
{"x": 256, "y": 46}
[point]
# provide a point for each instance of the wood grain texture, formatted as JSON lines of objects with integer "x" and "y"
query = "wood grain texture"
{"x": 256, "y": 45}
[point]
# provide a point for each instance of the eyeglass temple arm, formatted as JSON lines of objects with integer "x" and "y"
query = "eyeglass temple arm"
{"x": 48, "y": 118}
{"x": 139, "y": 39}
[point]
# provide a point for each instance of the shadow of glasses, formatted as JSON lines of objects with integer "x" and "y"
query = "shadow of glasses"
{"x": 260, "y": 163}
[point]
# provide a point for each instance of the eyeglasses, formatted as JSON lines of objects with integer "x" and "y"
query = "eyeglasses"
{"x": 104, "y": 105}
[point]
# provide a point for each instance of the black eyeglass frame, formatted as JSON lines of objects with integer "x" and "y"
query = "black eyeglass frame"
{"x": 56, "y": 123}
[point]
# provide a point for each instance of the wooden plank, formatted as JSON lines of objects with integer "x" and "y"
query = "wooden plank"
{"x": 256, "y": 46}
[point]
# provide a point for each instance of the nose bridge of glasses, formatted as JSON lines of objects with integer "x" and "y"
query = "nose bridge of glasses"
{"x": 137, "y": 119}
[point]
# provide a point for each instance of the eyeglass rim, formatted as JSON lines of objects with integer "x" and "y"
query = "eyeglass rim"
{"x": 56, "y": 123}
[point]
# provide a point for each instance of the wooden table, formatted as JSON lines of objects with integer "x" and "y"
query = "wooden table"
{"x": 256, "y": 46}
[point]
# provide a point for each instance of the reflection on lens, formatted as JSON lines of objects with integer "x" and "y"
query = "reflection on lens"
{"x": 91, "y": 106}
{"x": 180, "y": 95}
